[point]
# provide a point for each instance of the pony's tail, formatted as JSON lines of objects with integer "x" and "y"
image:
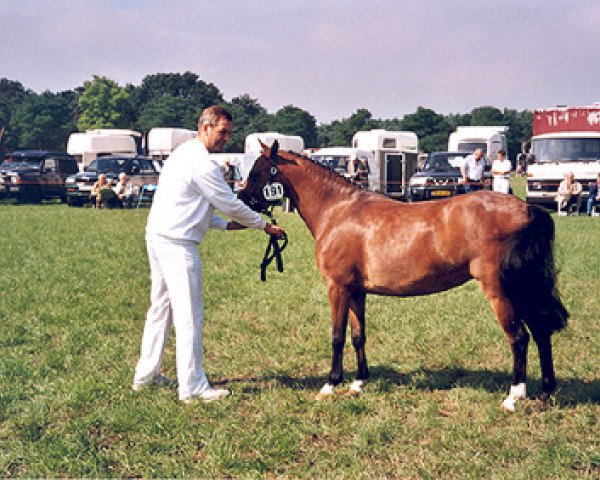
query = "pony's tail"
{"x": 528, "y": 277}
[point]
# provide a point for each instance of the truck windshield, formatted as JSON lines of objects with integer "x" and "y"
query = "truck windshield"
{"x": 107, "y": 165}
{"x": 339, "y": 163}
{"x": 566, "y": 149}
{"x": 10, "y": 162}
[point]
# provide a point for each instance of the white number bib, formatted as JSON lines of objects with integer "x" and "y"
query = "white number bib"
{"x": 273, "y": 191}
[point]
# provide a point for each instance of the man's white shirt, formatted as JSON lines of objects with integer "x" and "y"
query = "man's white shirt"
{"x": 190, "y": 187}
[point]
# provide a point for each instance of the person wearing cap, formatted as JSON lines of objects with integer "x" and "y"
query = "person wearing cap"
{"x": 191, "y": 188}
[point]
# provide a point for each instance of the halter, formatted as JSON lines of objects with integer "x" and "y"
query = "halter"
{"x": 272, "y": 191}
{"x": 274, "y": 249}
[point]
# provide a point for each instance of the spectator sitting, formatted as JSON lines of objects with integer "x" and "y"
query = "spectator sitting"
{"x": 99, "y": 190}
{"x": 594, "y": 196}
{"x": 569, "y": 194}
{"x": 123, "y": 191}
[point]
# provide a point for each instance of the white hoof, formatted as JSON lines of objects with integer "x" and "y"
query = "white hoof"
{"x": 325, "y": 392}
{"x": 517, "y": 392}
{"x": 356, "y": 387}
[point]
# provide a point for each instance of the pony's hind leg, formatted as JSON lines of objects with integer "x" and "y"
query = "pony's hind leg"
{"x": 357, "y": 328}
{"x": 518, "y": 339}
{"x": 338, "y": 301}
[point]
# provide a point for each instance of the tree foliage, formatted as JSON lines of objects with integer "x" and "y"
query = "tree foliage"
{"x": 43, "y": 121}
{"x": 292, "y": 120}
{"x": 177, "y": 99}
{"x": 103, "y": 104}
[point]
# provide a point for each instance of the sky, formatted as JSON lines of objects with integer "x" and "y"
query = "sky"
{"x": 327, "y": 57}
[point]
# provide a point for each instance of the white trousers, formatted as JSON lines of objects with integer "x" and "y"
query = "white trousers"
{"x": 501, "y": 184}
{"x": 176, "y": 298}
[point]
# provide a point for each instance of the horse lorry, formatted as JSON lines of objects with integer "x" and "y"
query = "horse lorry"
{"x": 395, "y": 154}
{"x": 565, "y": 139}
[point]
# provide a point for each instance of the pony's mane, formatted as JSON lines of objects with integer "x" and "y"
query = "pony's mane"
{"x": 329, "y": 173}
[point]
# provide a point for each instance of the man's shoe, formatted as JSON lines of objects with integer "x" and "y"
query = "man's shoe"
{"x": 159, "y": 381}
{"x": 207, "y": 396}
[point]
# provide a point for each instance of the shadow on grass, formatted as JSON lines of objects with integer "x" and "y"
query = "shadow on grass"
{"x": 570, "y": 391}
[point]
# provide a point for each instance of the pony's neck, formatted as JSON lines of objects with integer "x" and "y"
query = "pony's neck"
{"x": 313, "y": 189}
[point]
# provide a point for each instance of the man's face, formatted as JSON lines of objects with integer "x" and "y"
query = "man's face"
{"x": 216, "y": 136}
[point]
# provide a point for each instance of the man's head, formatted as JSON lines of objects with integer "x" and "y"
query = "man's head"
{"x": 478, "y": 153}
{"x": 570, "y": 176}
{"x": 122, "y": 177}
{"x": 214, "y": 128}
{"x": 501, "y": 154}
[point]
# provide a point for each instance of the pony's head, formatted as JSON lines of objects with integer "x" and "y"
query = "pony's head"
{"x": 262, "y": 187}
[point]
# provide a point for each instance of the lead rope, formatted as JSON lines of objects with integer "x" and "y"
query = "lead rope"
{"x": 273, "y": 250}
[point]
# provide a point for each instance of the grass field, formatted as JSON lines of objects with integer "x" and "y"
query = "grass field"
{"x": 73, "y": 294}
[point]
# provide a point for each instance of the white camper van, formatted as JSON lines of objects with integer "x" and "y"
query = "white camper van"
{"x": 163, "y": 140}
{"x": 468, "y": 139}
{"x": 87, "y": 146}
{"x": 340, "y": 158}
{"x": 395, "y": 153}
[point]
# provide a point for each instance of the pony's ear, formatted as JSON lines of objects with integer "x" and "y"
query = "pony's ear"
{"x": 274, "y": 150}
{"x": 263, "y": 146}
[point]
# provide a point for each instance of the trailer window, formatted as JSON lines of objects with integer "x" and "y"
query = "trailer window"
{"x": 472, "y": 146}
{"x": 388, "y": 143}
{"x": 566, "y": 149}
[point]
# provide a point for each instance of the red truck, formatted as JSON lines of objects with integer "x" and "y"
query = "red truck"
{"x": 565, "y": 139}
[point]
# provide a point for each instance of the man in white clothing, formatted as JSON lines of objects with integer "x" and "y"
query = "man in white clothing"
{"x": 501, "y": 168}
{"x": 191, "y": 187}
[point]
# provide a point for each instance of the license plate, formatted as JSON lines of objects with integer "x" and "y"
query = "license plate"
{"x": 441, "y": 193}
{"x": 273, "y": 191}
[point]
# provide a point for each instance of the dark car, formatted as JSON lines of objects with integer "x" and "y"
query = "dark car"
{"x": 31, "y": 176}
{"x": 140, "y": 171}
{"x": 439, "y": 177}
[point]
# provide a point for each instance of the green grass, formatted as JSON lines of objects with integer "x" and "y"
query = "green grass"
{"x": 73, "y": 294}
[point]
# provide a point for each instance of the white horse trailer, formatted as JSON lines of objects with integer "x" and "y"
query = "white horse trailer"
{"x": 89, "y": 145}
{"x": 292, "y": 143}
{"x": 163, "y": 140}
{"x": 490, "y": 139}
{"x": 252, "y": 148}
{"x": 395, "y": 153}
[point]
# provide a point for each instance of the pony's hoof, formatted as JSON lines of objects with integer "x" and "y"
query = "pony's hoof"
{"x": 325, "y": 393}
{"x": 509, "y": 405}
{"x": 356, "y": 388}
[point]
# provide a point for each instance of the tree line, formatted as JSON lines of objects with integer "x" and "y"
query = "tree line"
{"x": 45, "y": 120}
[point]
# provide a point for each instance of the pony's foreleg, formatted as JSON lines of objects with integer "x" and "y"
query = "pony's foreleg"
{"x": 338, "y": 301}
{"x": 357, "y": 327}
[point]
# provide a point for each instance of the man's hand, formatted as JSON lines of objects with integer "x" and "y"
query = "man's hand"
{"x": 276, "y": 230}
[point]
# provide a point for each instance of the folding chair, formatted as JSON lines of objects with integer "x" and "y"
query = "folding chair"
{"x": 146, "y": 194}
